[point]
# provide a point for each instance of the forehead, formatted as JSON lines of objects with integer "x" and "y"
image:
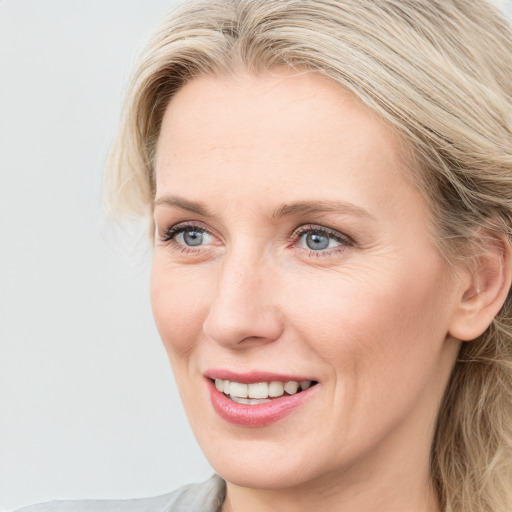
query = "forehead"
{"x": 290, "y": 132}
{"x": 305, "y": 104}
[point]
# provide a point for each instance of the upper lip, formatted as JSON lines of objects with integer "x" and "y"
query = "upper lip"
{"x": 254, "y": 376}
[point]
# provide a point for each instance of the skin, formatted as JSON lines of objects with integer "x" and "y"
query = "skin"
{"x": 369, "y": 319}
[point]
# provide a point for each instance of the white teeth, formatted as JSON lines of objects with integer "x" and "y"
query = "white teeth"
{"x": 291, "y": 387}
{"x": 239, "y": 390}
{"x": 258, "y": 390}
{"x": 275, "y": 389}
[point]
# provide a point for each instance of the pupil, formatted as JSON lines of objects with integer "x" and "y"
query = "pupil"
{"x": 193, "y": 237}
{"x": 316, "y": 241}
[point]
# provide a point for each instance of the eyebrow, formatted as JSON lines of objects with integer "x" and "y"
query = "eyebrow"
{"x": 184, "y": 204}
{"x": 309, "y": 207}
{"x": 286, "y": 210}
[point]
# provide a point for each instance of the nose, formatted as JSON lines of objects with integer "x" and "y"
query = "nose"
{"x": 243, "y": 311}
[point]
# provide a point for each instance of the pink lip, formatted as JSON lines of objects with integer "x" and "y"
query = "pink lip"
{"x": 259, "y": 415}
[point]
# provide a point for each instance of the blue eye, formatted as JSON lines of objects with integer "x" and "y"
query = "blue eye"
{"x": 318, "y": 240}
{"x": 188, "y": 236}
{"x": 191, "y": 237}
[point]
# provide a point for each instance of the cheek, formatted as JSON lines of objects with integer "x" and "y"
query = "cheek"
{"x": 180, "y": 306}
{"x": 371, "y": 326}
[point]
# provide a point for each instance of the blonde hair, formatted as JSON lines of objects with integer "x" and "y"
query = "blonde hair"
{"x": 440, "y": 73}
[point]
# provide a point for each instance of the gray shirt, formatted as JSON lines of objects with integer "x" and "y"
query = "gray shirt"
{"x": 206, "y": 497}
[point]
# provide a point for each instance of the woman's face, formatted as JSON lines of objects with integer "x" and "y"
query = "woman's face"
{"x": 290, "y": 247}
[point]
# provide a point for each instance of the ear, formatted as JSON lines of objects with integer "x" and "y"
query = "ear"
{"x": 484, "y": 287}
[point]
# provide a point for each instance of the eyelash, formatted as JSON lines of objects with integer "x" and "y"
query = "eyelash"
{"x": 174, "y": 231}
{"x": 345, "y": 241}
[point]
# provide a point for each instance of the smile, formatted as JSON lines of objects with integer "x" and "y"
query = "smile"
{"x": 261, "y": 400}
{"x": 260, "y": 392}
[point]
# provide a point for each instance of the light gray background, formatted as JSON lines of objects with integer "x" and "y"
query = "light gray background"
{"x": 88, "y": 404}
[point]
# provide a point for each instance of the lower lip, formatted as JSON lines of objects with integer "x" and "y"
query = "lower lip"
{"x": 259, "y": 415}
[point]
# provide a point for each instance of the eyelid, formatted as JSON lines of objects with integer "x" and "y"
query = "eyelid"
{"x": 344, "y": 240}
{"x": 175, "y": 229}
{"x": 334, "y": 233}
{"x": 170, "y": 234}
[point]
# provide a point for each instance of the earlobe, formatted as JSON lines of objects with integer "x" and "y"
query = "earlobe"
{"x": 485, "y": 288}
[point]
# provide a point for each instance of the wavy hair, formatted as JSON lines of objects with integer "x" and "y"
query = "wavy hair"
{"x": 440, "y": 73}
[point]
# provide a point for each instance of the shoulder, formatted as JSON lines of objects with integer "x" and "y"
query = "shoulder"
{"x": 205, "y": 497}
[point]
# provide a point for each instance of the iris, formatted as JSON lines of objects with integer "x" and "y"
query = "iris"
{"x": 193, "y": 237}
{"x": 317, "y": 241}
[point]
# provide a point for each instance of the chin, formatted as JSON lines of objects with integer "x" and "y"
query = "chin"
{"x": 273, "y": 475}
{"x": 259, "y": 463}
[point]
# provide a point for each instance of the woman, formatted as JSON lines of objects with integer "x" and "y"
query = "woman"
{"x": 329, "y": 184}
